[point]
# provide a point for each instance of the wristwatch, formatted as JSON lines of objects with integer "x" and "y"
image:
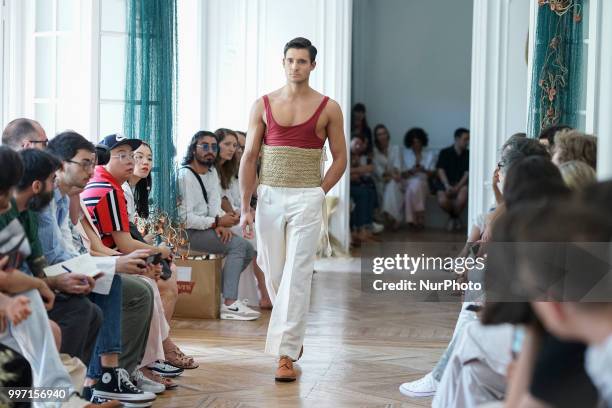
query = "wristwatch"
{"x": 216, "y": 224}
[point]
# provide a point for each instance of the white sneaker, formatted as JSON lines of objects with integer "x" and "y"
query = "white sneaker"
{"x": 238, "y": 311}
{"x": 423, "y": 387}
{"x": 146, "y": 384}
{"x": 377, "y": 228}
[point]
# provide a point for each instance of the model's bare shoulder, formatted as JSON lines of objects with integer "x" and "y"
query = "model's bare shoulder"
{"x": 333, "y": 110}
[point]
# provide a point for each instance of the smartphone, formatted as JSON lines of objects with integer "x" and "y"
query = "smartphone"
{"x": 14, "y": 260}
{"x": 154, "y": 259}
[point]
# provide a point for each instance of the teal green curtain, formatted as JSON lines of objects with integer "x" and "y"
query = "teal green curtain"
{"x": 557, "y": 90}
{"x": 150, "y": 92}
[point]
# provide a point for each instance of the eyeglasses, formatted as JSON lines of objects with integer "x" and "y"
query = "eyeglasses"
{"x": 85, "y": 164}
{"x": 125, "y": 157}
{"x": 501, "y": 164}
{"x": 43, "y": 142}
{"x": 208, "y": 147}
{"x": 140, "y": 158}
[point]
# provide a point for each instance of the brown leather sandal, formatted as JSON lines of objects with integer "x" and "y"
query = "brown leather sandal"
{"x": 177, "y": 358}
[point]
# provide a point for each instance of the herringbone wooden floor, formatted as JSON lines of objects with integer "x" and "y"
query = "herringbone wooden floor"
{"x": 358, "y": 350}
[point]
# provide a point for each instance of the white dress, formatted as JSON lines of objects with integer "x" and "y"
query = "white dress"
{"x": 390, "y": 195}
{"x": 415, "y": 186}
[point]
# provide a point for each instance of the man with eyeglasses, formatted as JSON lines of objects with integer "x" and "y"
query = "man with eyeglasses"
{"x": 127, "y": 307}
{"x": 208, "y": 226}
{"x": 24, "y": 133}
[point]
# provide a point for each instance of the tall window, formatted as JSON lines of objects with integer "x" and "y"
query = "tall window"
{"x": 113, "y": 51}
{"x": 53, "y": 33}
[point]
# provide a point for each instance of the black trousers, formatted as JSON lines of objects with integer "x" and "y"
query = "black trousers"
{"x": 79, "y": 318}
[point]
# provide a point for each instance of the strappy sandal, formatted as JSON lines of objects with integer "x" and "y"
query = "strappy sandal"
{"x": 178, "y": 359}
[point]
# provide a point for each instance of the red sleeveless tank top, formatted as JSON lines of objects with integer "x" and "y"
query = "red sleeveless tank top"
{"x": 303, "y": 135}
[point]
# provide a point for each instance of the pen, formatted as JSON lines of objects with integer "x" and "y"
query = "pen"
{"x": 66, "y": 269}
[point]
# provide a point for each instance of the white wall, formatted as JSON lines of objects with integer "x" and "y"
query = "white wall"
{"x": 412, "y": 64}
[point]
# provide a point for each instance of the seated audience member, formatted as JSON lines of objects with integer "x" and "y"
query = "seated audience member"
{"x": 387, "y": 176}
{"x": 360, "y": 127}
{"x": 126, "y": 308}
{"x": 550, "y": 371}
{"x": 136, "y": 191}
{"x": 547, "y": 136}
{"x": 419, "y": 164}
{"x": 476, "y": 372}
{"x": 577, "y": 174}
{"x": 227, "y": 164}
{"x": 77, "y": 316}
{"x": 575, "y": 145}
{"x": 496, "y": 181}
{"x": 208, "y": 226}
{"x": 514, "y": 150}
{"x": 452, "y": 183}
{"x": 29, "y": 329}
{"x": 363, "y": 193}
{"x": 24, "y": 133}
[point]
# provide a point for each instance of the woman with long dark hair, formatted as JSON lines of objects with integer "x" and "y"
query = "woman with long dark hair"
{"x": 360, "y": 127}
{"x": 387, "y": 176}
{"x": 137, "y": 190}
{"x": 227, "y": 164}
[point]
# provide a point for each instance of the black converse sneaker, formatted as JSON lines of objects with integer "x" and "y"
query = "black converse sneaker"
{"x": 115, "y": 384}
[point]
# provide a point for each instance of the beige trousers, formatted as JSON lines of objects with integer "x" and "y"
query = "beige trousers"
{"x": 288, "y": 225}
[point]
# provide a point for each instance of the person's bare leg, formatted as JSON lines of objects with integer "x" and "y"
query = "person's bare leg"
{"x": 420, "y": 218}
{"x": 264, "y": 302}
{"x": 461, "y": 201}
{"x": 57, "y": 334}
{"x": 168, "y": 292}
{"x": 444, "y": 202}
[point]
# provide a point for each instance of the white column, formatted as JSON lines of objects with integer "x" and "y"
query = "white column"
{"x": 499, "y": 90}
{"x": 602, "y": 47}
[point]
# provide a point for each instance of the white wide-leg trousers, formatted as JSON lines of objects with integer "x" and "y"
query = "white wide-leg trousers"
{"x": 287, "y": 224}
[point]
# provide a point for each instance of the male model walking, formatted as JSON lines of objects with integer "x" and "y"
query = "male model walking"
{"x": 289, "y": 127}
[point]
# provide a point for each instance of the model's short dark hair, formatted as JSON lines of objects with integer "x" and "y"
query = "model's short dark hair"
{"x": 415, "y": 133}
{"x": 190, "y": 155}
{"x": 460, "y": 131}
{"x": 302, "y": 43}
{"x": 17, "y": 131}
{"x": 37, "y": 165}
{"x": 66, "y": 145}
{"x": 11, "y": 168}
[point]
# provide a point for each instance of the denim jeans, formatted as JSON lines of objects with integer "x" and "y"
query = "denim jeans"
{"x": 365, "y": 199}
{"x": 109, "y": 337}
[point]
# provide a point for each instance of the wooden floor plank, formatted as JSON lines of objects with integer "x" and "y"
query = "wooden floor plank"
{"x": 358, "y": 350}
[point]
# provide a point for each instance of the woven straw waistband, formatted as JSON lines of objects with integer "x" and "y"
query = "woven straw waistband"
{"x": 286, "y": 166}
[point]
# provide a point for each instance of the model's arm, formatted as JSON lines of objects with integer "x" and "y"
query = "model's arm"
{"x": 337, "y": 146}
{"x": 248, "y": 165}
